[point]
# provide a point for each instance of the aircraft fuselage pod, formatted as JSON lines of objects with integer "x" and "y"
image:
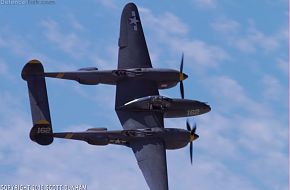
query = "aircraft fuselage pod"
{"x": 170, "y": 107}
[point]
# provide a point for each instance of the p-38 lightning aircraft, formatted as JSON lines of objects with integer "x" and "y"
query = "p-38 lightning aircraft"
{"x": 140, "y": 108}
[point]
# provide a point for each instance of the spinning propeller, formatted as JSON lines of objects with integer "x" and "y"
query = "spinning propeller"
{"x": 193, "y": 136}
{"x": 182, "y": 77}
{"x": 191, "y": 130}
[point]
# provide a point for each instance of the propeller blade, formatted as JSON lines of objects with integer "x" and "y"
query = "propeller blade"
{"x": 188, "y": 125}
{"x": 190, "y": 149}
{"x": 192, "y": 138}
{"x": 194, "y": 129}
{"x": 181, "y": 90}
{"x": 181, "y": 64}
{"x": 181, "y": 77}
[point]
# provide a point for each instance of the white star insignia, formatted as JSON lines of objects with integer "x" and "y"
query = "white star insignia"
{"x": 133, "y": 21}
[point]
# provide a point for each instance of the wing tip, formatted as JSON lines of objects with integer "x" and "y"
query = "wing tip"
{"x": 130, "y": 6}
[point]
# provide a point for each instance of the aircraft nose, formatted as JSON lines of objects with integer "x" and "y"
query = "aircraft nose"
{"x": 207, "y": 107}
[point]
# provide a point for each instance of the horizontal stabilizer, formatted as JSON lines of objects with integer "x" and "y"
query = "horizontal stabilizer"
{"x": 41, "y": 131}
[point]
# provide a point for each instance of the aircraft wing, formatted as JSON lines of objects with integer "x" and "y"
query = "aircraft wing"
{"x": 151, "y": 157}
{"x": 133, "y": 53}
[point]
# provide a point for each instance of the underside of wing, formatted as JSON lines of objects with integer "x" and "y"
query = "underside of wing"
{"x": 151, "y": 158}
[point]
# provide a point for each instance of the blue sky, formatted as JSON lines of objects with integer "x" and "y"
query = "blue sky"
{"x": 236, "y": 56}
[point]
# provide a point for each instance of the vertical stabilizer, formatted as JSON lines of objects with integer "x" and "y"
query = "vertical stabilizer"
{"x": 41, "y": 131}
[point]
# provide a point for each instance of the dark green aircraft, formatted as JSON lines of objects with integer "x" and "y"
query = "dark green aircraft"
{"x": 140, "y": 108}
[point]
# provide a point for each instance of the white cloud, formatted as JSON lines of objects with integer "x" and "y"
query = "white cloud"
{"x": 67, "y": 42}
{"x": 15, "y": 43}
{"x": 231, "y": 96}
{"x": 205, "y": 167}
{"x": 165, "y": 27}
{"x": 201, "y": 53}
{"x": 2, "y": 42}
{"x": 283, "y": 34}
{"x": 249, "y": 40}
{"x": 256, "y": 134}
{"x": 3, "y": 68}
{"x": 283, "y": 65}
{"x": 8, "y": 104}
{"x": 111, "y": 4}
{"x": 63, "y": 162}
{"x": 256, "y": 39}
{"x": 102, "y": 96}
{"x": 226, "y": 26}
{"x": 269, "y": 160}
{"x": 234, "y": 146}
{"x": 248, "y": 145}
{"x": 75, "y": 23}
{"x": 21, "y": 47}
{"x": 170, "y": 20}
{"x": 251, "y": 136}
{"x": 273, "y": 89}
{"x": 176, "y": 38}
{"x": 205, "y": 3}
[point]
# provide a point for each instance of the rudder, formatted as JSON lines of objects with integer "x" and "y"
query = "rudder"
{"x": 41, "y": 131}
